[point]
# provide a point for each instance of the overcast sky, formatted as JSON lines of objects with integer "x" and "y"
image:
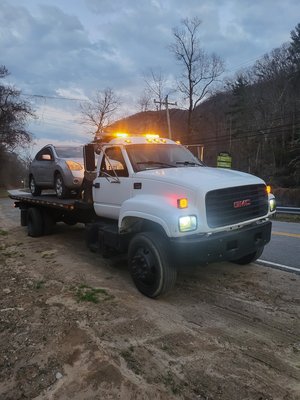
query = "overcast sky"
{"x": 70, "y": 48}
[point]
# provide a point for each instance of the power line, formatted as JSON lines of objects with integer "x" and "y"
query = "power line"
{"x": 42, "y": 96}
{"x": 280, "y": 129}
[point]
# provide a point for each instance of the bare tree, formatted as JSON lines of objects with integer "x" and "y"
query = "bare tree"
{"x": 200, "y": 70}
{"x": 14, "y": 113}
{"x": 98, "y": 113}
{"x": 144, "y": 101}
{"x": 156, "y": 88}
{"x": 156, "y": 85}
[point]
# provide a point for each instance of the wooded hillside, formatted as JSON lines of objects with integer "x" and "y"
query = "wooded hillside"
{"x": 255, "y": 117}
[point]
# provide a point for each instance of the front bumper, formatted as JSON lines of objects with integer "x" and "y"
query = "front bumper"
{"x": 221, "y": 246}
{"x": 73, "y": 179}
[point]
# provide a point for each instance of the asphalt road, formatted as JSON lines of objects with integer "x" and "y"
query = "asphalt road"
{"x": 284, "y": 248}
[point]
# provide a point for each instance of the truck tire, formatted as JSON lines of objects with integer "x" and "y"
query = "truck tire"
{"x": 249, "y": 258}
{"x": 35, "y": 226}
{"x": 60, "y": 188}
{"x": 48, "y": 223}
{"x": 150, "y": 264}
{"x": 34, "y": 189}
{"x": 23, "y": 216}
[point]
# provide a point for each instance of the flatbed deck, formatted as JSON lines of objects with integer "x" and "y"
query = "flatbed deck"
{"x": 49, "y": 200}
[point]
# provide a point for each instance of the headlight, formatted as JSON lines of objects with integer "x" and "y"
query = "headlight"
{"x": 74, "y": 166}
{"x": 187, "y": 223}
{"x": 272, "y": 205}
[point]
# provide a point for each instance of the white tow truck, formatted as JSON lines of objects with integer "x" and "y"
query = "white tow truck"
{"x": 150, "y": 197}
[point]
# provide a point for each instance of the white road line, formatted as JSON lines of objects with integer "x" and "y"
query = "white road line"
{"x": 279, "y": 266}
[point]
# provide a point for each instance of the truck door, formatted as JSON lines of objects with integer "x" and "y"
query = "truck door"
{"x": 113, "y": 185}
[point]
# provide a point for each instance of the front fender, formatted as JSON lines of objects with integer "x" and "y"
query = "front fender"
{"x": 153, "y": 208}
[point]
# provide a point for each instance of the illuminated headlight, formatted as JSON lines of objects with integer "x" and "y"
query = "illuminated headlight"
{"x": 272, "y": 205}
{"x": 74, "y": 166}
{"x": 187, "y": 223}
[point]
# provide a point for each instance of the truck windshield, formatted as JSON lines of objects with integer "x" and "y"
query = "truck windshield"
{"x": 153, "y": 156}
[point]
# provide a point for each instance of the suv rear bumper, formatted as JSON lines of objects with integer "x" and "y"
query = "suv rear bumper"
{"x": 222, "y": 246}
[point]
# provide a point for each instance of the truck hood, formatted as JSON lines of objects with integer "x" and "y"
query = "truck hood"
{"x": 195, "y": 177}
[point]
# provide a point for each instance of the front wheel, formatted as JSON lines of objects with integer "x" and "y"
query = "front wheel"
{"x": 34, "y": 189}
{"x": 60, "y": 187}
{"x": 150, "y": 264}
{"x": 249, "y": 258}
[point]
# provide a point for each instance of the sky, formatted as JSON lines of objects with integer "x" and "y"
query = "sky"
{"x": 59, "y": 52}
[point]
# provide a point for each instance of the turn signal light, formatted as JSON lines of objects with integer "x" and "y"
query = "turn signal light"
{"x": 182, "y": 203}
{"x": 269, "y": 189}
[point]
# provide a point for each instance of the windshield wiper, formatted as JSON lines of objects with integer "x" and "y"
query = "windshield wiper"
{"x": 156, "y": 163}
{"x": 189, "y": 163}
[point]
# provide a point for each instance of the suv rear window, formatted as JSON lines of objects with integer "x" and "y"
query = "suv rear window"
{"x": 69, "y": 152}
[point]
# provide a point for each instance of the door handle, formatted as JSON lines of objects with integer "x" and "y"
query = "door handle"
{"x": 96, "y": 185}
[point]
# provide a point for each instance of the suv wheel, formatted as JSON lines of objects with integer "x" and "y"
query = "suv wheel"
{"x": 34, "y": 189}
{"x": 60, "y": 187}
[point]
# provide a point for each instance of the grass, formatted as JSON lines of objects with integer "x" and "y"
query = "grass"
{"x": 286, "y": 218}
{"x": 130, "y": 360}
{"x": 93, "y": 295}
{"x": 169, "y": 381}
{"x": 3, "y": 232}
{"x": 39, "y": 285}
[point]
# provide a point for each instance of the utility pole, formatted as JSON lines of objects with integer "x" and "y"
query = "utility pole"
{"x": 166, "y": 103}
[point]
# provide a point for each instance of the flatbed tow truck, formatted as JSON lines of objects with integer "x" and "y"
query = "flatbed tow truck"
{"x": 150, "y": 197}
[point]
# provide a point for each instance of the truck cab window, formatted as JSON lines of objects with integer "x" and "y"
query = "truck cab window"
{"x": 113, "y": 163}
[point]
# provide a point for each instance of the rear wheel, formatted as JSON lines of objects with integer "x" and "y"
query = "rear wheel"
{"x": 60, "y": 187}
{"x": 249, "y": 258}
{"x": 34, "y": 189}
{"x": 150, "y": 264}
{"x": 35, "y": 226}
{"x": 23, "y": 216}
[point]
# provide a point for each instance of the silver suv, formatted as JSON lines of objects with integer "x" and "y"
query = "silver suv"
{"x": 57, "y": 167}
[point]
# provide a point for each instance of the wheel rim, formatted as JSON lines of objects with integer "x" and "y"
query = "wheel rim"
{"x": 32, "y": 185}
{"x": 58, "y": 186}
{"x": 143, "y": 267}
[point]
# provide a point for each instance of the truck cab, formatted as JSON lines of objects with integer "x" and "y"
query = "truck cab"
{"x": 133, "y": 166}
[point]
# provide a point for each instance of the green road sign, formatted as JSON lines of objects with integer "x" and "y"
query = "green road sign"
{"x": 224, "y": 160}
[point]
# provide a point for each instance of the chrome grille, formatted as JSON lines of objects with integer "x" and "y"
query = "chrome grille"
{"x": 236, "y": 204}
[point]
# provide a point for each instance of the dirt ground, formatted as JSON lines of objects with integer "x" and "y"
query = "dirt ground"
{"x": 73, "y": 326}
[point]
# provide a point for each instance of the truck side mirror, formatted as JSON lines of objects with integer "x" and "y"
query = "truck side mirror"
{"x": 89, "y": 158}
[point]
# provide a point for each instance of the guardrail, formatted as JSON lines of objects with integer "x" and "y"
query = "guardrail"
{"x": 288, "y": 210}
